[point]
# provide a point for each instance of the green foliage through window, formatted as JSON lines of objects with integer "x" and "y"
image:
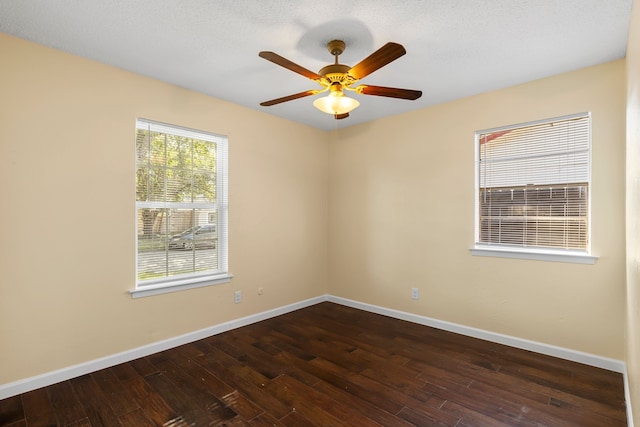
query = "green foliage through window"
{"x": 181, "y": 211}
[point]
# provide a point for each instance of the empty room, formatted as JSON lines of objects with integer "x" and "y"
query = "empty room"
{"x": 359, "y": 213}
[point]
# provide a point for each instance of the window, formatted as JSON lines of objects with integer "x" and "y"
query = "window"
{"x": 533, "y": 189}
{"x": 181, "y": 208}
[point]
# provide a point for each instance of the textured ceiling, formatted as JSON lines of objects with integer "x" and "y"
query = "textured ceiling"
{"x": 455, "y": 48}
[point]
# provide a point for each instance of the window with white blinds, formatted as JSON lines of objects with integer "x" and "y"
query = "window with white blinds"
{"x": 533, "y": 184}
{"x": 181, "y": 206}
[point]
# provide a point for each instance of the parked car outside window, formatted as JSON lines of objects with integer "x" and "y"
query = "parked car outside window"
{"x": 195, "y": 237}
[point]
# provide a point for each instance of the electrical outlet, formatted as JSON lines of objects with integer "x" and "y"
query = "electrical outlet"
{"x": 237, "y": 297}
{"x": 415, "y": 293}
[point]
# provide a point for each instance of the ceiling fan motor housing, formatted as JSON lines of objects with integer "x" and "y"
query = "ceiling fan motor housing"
{"x": 336, "y": 73}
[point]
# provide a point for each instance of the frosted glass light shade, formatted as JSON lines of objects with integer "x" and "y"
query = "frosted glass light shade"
{"x": 335, "y": 103}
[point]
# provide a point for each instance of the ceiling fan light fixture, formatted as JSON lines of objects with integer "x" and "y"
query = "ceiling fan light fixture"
{"x": 336, "y": 103}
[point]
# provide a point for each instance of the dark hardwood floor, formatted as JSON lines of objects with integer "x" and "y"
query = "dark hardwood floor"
{"x": 330, "y": 365}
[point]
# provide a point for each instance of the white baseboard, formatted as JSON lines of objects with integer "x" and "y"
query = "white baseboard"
{"x": 33, "y": 383}
{"x": 550, "y": 350}
{"x": 28, "y": 384}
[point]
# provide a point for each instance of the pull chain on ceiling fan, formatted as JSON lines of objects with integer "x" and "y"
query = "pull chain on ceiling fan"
{"x": 336, "y": 78}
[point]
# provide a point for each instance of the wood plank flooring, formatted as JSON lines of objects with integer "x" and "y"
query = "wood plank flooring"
{"x": 330, "y": 365}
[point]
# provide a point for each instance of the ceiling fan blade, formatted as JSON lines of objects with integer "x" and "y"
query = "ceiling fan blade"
{"x": 341, "y": 116}
{"x": 378, "y": 59}
{"x": 284, "y": 62}
{"x": 289, "y": 98}
{"x": 390, "y": 92}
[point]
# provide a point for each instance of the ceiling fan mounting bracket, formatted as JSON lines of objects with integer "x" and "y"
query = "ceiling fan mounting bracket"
{"x": 336, "y": 47}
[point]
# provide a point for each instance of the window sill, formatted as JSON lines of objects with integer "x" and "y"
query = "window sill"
{"x": 179, "y": 285}
{"x": 533, "y": 254}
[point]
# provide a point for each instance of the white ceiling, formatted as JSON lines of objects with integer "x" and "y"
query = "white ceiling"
{"x": 455, "y": 48}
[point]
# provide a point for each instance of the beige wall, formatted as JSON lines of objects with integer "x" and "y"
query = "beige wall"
{"x": 67, "y": 216}
{"x": 402, "y": 216}
{"x": 633, "y": 212}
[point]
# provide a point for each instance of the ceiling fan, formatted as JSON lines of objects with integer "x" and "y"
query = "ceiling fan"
{"x": 336, "y": 78}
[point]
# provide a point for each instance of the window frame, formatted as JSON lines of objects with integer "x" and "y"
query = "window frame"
{"x": 527, "y": 252}
{"x": 163, "y": 285}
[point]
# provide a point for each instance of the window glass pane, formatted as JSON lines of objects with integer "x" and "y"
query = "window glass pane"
{"x": 156, "y": 148}
{"x": 178, "y": 150}
{"x": 156, "y": 184}
{"x": 204, "y": 186}
{"x": 535, "y": 217}
{"x": 534, "y": 185}
{"x": 179, "y": 185}
{"x": 204, "y": 156}
{"x": 176, "y": 242}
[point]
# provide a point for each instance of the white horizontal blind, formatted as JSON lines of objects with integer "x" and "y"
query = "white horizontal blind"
{"x": 181, "y": 204}
{"x": 534, "y": 185}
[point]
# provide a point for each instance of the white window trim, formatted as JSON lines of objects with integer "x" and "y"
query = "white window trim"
{"x": 180, "y": 285}
{"x": 534, "y": 254}
{"x": 568, "y": 256}
{"x": 176, "y": 284}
